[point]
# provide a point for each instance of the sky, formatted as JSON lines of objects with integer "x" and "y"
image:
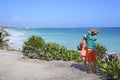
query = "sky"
{"x": 60, "y": 13}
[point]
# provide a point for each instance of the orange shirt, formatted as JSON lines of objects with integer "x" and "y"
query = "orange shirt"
{"x": 84, "y": 48}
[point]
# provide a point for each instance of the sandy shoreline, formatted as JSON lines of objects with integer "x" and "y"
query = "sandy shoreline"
{"x": 14, "y": 67}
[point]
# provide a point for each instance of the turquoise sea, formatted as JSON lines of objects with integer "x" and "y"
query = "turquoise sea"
{"x": 68, "y": 37}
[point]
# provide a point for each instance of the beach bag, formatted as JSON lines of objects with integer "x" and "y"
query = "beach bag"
{"x": 79, "y": 48}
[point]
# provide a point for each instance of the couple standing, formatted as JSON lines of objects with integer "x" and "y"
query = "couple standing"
{"x": 88, "y": 52}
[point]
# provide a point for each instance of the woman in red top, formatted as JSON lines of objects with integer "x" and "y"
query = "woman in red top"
{"x": 84, "y": 51}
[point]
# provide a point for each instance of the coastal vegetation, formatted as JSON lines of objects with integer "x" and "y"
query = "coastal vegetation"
{"x": 101, "y": 51}
{"x": 35, "y": 47}
{"x": 109, "y": 66}
{"x": 3, "y": 39}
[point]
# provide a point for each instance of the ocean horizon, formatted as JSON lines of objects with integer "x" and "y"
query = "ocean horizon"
{"x": 68, "y": 37}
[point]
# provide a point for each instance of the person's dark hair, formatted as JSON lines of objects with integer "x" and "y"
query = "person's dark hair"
{"x": 92, "y": 33}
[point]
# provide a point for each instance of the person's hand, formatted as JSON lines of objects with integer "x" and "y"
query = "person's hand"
{"x": 90, "y": 29}
{"x": 95, "y": 31}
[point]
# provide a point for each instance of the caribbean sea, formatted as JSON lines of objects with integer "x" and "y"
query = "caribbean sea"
{"x": 109, "y": 37}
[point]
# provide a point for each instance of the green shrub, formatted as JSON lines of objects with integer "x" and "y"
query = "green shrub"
{"x": 32, "y": 55}
{"x": 101, "y": 50}
{"x": 71, "y": 55}
{"x": 56, "y": 51}
{"x": 35, "y": 41}
{"x": 3, "y": 39}
{"x": 35, "y": 47}
{"x": 75, "y": 56}
{"x": 112, "y": 68}
{"x": 1, "y": 48}
{"x": 32, "y": 45}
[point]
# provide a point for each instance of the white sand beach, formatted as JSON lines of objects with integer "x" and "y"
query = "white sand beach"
{"x": 14, "y": 67}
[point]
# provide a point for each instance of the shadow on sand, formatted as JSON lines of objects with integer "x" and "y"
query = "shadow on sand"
{"x": 78, "y": 66}
{"x": 99, "y": 73}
